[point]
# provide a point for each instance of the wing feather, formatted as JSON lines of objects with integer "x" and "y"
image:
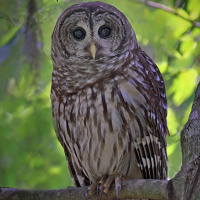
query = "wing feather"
{"x": 157, "y": 116}
{"x": 78, "y": 177}
{"x": 145, "y": 86}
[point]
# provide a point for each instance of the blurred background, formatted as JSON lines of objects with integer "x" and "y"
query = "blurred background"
{"x": 30, "y": 155}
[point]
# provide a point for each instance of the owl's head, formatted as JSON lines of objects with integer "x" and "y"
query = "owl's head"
{"x": 90, "y": 43}
{"x": 93, "y": 31}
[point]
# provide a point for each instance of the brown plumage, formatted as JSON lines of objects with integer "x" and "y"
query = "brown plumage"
{"x": 108, "y": 99}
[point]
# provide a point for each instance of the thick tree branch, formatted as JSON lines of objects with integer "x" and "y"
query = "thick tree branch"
{"x": 154, "y": 189}
{"x": 169, "y": 10}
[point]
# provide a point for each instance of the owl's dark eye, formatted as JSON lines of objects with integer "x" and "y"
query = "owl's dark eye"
{"x": 79, "y": 33}
{"x": 104, "y": 32}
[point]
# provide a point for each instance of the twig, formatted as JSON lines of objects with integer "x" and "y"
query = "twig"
{"x": 167, "y": 9}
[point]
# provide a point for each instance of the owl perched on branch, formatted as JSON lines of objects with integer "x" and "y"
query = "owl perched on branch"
{"x": 108, "y": 99}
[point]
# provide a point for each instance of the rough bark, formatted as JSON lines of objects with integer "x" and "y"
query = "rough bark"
{"x": 131, "y": 188}
{"x": 184, "y": 186}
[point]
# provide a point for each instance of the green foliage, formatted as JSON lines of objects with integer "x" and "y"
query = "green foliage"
{"x": 4, "y": 16}
{"x": 30, "y": 155}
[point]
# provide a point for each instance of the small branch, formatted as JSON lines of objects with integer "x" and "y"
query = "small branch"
{"x": 167, "y": 9}
{"x": 153, "y": 189}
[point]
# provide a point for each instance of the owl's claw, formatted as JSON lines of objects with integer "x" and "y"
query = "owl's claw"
{"x": 102, "y": 181}
{"x": 93, "y": 187}
{"x": 86, "y": 193}
{"x": 104, "y": 184}
{"x": 117, "y": 186}
{"x": 98, "y": 185}
{"x": 108, "y": 183}
{"x": 102, "y": 190}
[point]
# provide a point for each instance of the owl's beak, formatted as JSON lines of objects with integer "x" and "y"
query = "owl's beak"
{"x": 93, "y": 50}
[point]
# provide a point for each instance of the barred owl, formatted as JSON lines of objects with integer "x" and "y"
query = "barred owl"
{"x": 108, "y": 99}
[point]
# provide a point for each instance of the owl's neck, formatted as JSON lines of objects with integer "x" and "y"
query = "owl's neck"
{"x": 76, "y": 76}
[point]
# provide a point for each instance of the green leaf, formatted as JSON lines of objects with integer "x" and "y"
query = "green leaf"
{"x": 4, "y": 16}
{"x": 183, "y": 86}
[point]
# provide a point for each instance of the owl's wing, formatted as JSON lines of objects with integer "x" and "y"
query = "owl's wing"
{"x": 158, "y": 117}
{"x": 78, "y": 177}
{"x": 147, "y": 100}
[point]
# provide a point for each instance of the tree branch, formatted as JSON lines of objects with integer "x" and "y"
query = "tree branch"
{"x": 154, "y": 189}
{"x": 167, "y": 9}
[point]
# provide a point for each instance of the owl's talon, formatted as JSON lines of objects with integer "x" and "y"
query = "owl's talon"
{"x": 86, "y": 193}
{"x": 118, "y": 188}
{"x": 105, "y": 183}
{"x": 102, "y": 190}
{"x": 108, "y": 183}
{"x": 98, "y": 187}
{"x": 102, "y": 181}
{"x": 93, "y": 187}
{"x": 117, "y": 185}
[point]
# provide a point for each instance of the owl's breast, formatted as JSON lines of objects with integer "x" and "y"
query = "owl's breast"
{"x": 99, "y": 128}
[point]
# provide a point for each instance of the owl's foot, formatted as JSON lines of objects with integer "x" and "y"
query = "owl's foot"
{"x": 103, "y": 185}
{"x": 93, "y": 187}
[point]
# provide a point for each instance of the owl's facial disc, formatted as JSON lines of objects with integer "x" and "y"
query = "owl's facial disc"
{"x": 93, "y": 33}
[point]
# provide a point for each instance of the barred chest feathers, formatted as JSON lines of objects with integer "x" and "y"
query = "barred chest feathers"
{"x": 97, "y": 120}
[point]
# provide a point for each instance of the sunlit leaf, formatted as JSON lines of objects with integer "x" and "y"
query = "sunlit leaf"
{"x": 172, "y": 122}
{"x": 193, "y": 7}
{"x": 184, "y": 85}
{"x": 174, "y": 159}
